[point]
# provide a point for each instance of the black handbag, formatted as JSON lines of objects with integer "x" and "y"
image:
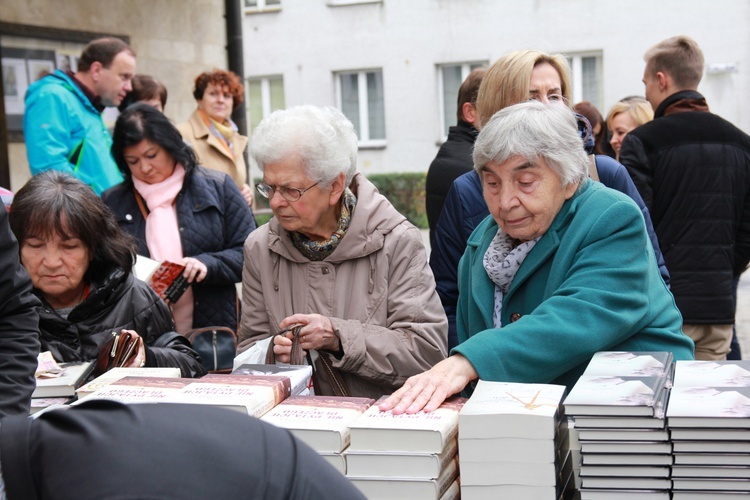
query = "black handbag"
{"x": 216, "y": 345}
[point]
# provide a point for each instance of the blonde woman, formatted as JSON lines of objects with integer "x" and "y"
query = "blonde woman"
{"x": 625, "y": 115}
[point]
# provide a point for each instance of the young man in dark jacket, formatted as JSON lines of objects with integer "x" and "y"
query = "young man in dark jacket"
{"x": 692, "y": 169}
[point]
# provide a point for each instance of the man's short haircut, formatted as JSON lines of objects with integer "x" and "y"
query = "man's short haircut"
{"x": 102, "y": 50}
{"x": 680, "y": 57}
{"x": 469, "y": 90}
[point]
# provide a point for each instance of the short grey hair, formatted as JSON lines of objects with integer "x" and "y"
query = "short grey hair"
{"x": 534, "y": 130}
{"x": 323, "y": 138}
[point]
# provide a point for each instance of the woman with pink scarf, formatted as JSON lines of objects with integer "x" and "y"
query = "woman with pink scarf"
{"x": 181, "y": 212}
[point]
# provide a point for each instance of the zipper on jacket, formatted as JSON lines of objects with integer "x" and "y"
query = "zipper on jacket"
{"x": 216, "y": 355}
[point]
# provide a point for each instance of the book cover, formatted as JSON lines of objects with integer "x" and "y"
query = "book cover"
{"x": 709, "y": 406}
{"x": 625, "y": 470}
{"x": 711, "y": 458}
{"x": 510, "y": 491}
{"x": 389, "y": 488}
{"x": 521, "y": 449}
{"x": 508, "y": 472}
{"x": 734, "y": 373}
{"x": 423, "y": 432}
{"x": 711, "y": 484}
{"x": 611, "y": 422}
{"x": 601, "y": 395}
{"x": 625, "y": 459}
{"x": 709, "y": 434}
{"x": 299, "y": 375}
{"x": 322, "y": 422}
{"x": 625, "y": 447}
{"x": 632, "y": 483}
{"x": 727, "y": 470}
{"x": 66, "y": 383}
{"x": 116, "y": 373}
{"x": 388, "y": 464}
{"x": 623, "y": 435}
{"x": 504, "y": 410}
{"x": 711, "y": 447}
{"x": 165, "y": 278}
{"x": 627, "y": 363}
{"x": 591, "y": 494}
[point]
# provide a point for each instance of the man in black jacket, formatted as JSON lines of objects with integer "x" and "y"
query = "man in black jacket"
{"x": 454, "y": 157}
{"x": 19, "y": 326}
{"x": 692, "y": 169}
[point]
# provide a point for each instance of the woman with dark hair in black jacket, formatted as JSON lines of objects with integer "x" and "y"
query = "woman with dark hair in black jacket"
{"x": 181, "y": 212}
{"x": 80, "y": 264}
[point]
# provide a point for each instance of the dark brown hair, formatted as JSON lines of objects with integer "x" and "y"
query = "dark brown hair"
{"x": 221, "y": 78}
{"x": 469, "y": 90}
{"x": 145, "y": 88}
{"x": 55, "y": 202}
{"x": 102, "y": 50}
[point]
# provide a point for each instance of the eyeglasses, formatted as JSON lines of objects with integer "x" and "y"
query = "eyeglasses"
{"x": 288, "y": 193}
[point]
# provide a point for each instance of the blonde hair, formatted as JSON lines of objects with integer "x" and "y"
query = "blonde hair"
{"x": 680, "y": 57}
{"x": 638, "y": 108}
{"x": 506, "y": 81}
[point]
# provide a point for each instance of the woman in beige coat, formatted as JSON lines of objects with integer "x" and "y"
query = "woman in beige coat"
{"x": 338, "y": 259}
{"x": 211, "y": 131}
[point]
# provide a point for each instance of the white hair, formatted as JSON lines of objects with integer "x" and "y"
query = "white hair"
{"x": 534, "y": 130}
{"x": 323, "y": 138}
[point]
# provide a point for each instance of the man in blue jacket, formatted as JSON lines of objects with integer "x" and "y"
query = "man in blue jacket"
{"x": 62, "y": 123}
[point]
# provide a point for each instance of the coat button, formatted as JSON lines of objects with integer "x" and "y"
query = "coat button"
{"x": 514, "y": 317}
{"x": 128, "y": 217}
{"x": 325, "y": 270}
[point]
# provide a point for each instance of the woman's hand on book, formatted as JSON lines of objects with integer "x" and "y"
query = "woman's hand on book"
{"x": 195, "y": 270}
{"x": 427, "y": 391}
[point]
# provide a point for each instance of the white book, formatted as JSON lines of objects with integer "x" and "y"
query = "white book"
{"x": 407, "y": 488}
{"x": 389, "y": 464}
{"x": 623, "y": 435}
{"x": 509, "y": 410}
{"x": 626, "y": 459}
{"x": 508, "y": 472}
{"x": 635, "y": 483}
{"x": 728, "y": 470}
{"x": 521, "y": 449}
{"x": 322, "y": 422}
{"x": 711, "y": 458}
{"x": 709, "y": 434}
{"x": 711, "y": 446}
{"x": 626, "y": 447}
{"x": 420, "y": 432}
{"x": 605, "y": 395}
{"x": 590, "y": 494}
{"x": 726, "y": 373}
{"x": 117, "y": 373}
{"x": 588, "y": 422}
{"x": 509, "y": 491}
{"x": 711, "y": 484}
{"x": 72, "y": 376}
{"x": 337, "y": 460}
{"x": 630, "y": 363}
{"x": 624, "y": 471}
{"x": 299, "y": 375}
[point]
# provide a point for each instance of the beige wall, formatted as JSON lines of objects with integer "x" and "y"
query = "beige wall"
{"x": 175, "y": 40}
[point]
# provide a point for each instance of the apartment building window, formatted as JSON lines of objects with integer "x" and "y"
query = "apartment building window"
{"x": 264, "y": 95}
{"x": 254, "y": 6}
{"x": 587, "y": 82}
{"x": 360, "y": 98}
{"x": 342, "y": 3}
{"x": 450, "y": 78}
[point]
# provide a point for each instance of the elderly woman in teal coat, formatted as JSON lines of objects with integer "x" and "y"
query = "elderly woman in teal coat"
{"x": 561, "y": 269}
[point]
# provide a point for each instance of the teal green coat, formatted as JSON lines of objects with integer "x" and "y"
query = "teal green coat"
{"x": 590, "y": 284}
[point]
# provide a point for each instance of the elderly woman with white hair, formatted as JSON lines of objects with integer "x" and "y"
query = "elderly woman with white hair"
{"x": 336, "y": 259}
{"x": 560, "y": 269}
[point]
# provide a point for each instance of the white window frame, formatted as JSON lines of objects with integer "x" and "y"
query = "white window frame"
{"x": 265, "y": 92}
{"x": 344, "y": 3}
{"x": 576, "y": 76}
{"x": 262, "y": 7}
{"x": 466, "y": 68}
{"x": 364, "y": 113}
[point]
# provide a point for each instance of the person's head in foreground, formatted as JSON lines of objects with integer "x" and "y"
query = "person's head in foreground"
{"x": 625, "y": 115}
{"x": 562, "y": 265}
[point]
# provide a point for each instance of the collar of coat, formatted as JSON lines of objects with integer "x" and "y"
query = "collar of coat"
{"x": 686, "y": 100}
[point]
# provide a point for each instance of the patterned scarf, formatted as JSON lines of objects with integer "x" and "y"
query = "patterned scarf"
{"x": 225, "y": 132}
{"x": 502, "y": 261}
{"x": 319, "y": 250}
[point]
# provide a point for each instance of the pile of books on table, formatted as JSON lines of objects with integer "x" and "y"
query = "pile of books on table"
{"x": 617, "y": 407}
{"x": 509, "y": 442}
{"x": 709, "y": 420}
{"x": 406, "y": 455}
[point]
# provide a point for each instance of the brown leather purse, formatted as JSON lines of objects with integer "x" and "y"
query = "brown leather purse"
{"x": 119, "y": 351}
{"x": 333, "y": 376}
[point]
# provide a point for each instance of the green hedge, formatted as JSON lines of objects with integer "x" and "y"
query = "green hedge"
{"x": 405, "y": 191}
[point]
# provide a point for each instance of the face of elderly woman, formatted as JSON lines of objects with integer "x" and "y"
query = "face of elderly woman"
{"x": 523, "y": 197}
{"x": 149, "y": 162}
{"x": 314, "y": 213}
{"x": 56, "y": 267}
{"x": 217, "y": 102}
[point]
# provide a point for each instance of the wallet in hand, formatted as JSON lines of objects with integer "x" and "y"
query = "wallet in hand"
{"x": 119, "y": 351}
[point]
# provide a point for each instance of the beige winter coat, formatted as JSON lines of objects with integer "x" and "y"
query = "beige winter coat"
{"x": 376, "y": 288}
{"x": 211, "y": 153}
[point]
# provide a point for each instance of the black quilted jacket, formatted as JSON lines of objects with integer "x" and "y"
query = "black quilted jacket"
{"x": 214, "y": 222}
{"x": 693, "y": 170}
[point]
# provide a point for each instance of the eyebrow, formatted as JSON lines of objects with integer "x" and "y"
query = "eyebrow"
{"x": 557, "y": 90}
{"x": 523, "y": 166}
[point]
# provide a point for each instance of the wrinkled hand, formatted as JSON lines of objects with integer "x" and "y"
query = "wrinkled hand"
{"x": 140, "y": 358}
{"x": 195, "y": 270}
{"x": 247, "y": 193}
{"x": 427, "y": 391}
{"x": 317, "y": 333}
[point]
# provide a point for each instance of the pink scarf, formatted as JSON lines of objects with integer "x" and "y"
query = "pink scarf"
{"x": 163, "y": 234}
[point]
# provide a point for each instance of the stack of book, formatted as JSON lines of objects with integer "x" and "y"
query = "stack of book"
{"x": 322, "y": 422}
{"x": 709, "y": 419}
{"x": 250, "y": 394}
{"x": 406, "y": 455}
{"x": 617, "y": 407}
{"x": 117, "y": 373}
{"x": 509, "y": 442}
{"x": 299, "y": 375}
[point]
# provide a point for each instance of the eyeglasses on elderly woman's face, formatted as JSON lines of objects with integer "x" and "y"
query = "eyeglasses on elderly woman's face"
{"x": 288, "y": 193}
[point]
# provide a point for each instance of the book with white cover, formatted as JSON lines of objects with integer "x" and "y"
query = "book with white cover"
{"x": 626, "y": 459}
{"x": 711, "y": 484}
{"x": 521, "y": 449}
{"x": 337, "y": 460}
{"x": 623, "y": 434}
{"x": 725, "y": 373}
{"x": 728, "y": 470}
{"x": 709, "y": 406}
{"x": 625, "y": 447}
{"x": 420, "y": 432}
{"x": 388, "y": 488}
{"x": 709, "y": 495}
{"x": 299, "y": 375}
{"x": 509, "y": 491}
{"x": 64, "y": 385}
{"x": 601, "y": 395}
{"x": 625, "y": 483}
{"x": 711, "y": 447}
{"x": 389, "y": 464}
{"x": 322, "y": 422}
{"x": 624, "y": 495}
{"x": 117, "y": 373}
{"x": 711, "y": 458}
{"x": 709, "y": 434}
{"x": 630, "y": 363}
{"x": 508, "y": 472}
{"x": 624, "y": 471}
{"x": 589, "y": 422}
{"x": 511, "y": 410}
